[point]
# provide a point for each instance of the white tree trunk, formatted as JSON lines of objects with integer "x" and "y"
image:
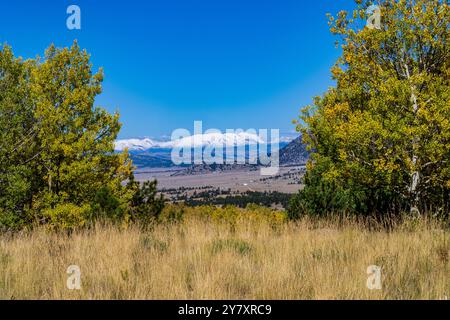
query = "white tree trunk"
{"x": 415, "y": 179}
{"x": 415, "y": 175}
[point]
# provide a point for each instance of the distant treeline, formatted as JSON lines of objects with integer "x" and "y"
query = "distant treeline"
{"x": 266, "y": 199}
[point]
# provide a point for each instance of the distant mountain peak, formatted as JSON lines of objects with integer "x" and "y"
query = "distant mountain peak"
{"x": 294, "y": 153}
{"x": 214, "y": 139}
{"x": 135, "y": 144}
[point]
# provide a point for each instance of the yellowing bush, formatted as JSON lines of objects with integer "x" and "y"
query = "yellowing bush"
{"x": 67, "y": 216}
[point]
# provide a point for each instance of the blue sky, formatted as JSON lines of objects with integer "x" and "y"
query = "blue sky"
{"x": 229, "y": 63}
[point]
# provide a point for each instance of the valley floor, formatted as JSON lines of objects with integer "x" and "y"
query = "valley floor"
{"x": 201, "y": 259}
{"x": 242, "y": 180}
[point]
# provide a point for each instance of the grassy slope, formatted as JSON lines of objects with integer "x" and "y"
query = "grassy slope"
{"x": 200, "y": 259}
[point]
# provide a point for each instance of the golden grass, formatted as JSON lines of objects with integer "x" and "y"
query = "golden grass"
{"x": 200, "y": 259}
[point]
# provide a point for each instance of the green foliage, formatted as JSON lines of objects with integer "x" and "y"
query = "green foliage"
{"x": 380, "y": 139}
{"x": 18, "y": 145}
{"x": 67, "y": 216}
{"x": 323, "y": 196}
{"x": 58, "y": 164}
{"x": 107, "y": 205}
{"x": 145, "y": 203}
{"x": 295, "y": 208}
{"x": 241, "y": 200}
{"x": 173, "y": 213}
{"x": 76, "y": 139}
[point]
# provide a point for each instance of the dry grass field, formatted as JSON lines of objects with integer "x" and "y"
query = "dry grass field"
{"x": 202, "y": 259}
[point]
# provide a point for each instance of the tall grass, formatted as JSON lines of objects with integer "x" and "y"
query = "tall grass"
{"x": 204, "y": 259}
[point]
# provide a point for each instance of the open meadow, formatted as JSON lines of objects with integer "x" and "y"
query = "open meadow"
{"x": 210, "y": 255}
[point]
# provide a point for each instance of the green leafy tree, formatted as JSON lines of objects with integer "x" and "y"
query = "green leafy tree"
{"x": 58, "y": 165}
{"x": 76, "y": 139}
{"x": 18, "y": 148}
{"x": 382, "y": 135}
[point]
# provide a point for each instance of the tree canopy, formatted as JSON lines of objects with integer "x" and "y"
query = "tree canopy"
{"x": 58, "y": 163}
{"x": 380, "y": 139}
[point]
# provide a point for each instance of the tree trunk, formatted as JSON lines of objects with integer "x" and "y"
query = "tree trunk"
{"x": 415, "y": 175}
{"x": 414, "y": 195}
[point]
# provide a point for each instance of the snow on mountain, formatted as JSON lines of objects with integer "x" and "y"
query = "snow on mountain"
{"x": 217, "y": 140}
{"x": 194, "y": 141}
{"x": 135, "y": 144}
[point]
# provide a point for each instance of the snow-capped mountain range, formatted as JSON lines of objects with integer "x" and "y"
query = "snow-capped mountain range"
{"x": 195, "y": 141}
{"x": 140, "y": 144}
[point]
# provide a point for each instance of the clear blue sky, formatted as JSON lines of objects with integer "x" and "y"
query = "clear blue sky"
{"x": 230, "y": 63}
